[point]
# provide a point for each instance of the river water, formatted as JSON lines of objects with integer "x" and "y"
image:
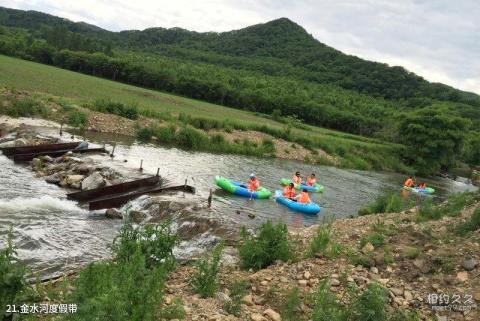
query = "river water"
{"x": 53, "y": 234}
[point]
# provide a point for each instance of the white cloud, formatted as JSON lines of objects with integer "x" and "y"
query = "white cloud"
{"x": 437, "y": 39}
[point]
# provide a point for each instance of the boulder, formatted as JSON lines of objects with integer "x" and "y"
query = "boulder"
{"x": 462, "y": 276}
{"x": 368, "y": 248}
{"x": 36, "y": 163}
{"x": 93, "y": 181}
{"x": 257, "y": 317}
{"x": 53, "y": 179}
{"x": 113, "y": 214}
{"x": 74, "y": 179}
{"x": 222, "y": 297}
{"x": 469, "y": 264}
{"x": 272, "y": 315}
{"x": 137, "y": 216}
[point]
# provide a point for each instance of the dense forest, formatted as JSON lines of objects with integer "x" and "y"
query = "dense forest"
{"x": 276, "y": 67}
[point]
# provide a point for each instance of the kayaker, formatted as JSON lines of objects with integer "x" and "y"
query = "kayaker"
{"x": 303, "y": 198}
{"x": 422, "y": 185}
{"x": 289, "y": 191}
{"x": 311, "y": 180}
{"x": 297, "y": 179}
{"x": 253, "y": 183}
{"x": 409, "y": 182}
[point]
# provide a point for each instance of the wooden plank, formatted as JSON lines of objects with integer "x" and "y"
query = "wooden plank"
{"x": 113, "y": 189}
{"x": 7, "y": 151}
{"x": 117, "y": 201}
{"x": 29, "y": 157}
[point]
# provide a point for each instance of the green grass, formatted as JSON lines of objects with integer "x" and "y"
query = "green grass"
{"x": 75, "y": 88}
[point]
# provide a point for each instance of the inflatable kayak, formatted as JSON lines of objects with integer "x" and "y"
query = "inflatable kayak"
{"x": 316, "y": 188}
{"x": 310, "y": 208}
{"x": 426, "y": 190}
{"x": 241, "y": 189}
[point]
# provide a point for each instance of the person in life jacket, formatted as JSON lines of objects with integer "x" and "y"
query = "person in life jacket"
{"x": 289, "y": 191}
{"x": 303, "y": 198}
{"x": 409, "y": 182}
{"x": 311, "y": 180}
{"x": 297, "y": 179}
{"x": 253, "y": 183}
{"x": 422, "y": 185}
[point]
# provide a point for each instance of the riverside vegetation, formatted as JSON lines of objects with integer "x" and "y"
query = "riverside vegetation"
{"x": 431, "y": 127}
{"x": 298, "y": 275}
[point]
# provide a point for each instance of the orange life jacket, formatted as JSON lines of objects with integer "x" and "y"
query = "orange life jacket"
{"x": 422, "y": 186}
{"x": 297, "y": 180}
{"x": 289, "y": 192}
{"x": 408, "y": 183}
{"x": 253, "y": 184}
{"x": 304, "y": 198}
{"x": 311, "y": 181}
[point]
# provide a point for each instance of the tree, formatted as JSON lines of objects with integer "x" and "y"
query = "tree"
{"x": 434, "y": 138}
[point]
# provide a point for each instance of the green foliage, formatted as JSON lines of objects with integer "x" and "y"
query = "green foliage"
{"x": 173, "y": 311}
{"x": 77, "y": 119}
{"x": 370, "y": 305}
{"x": 205, "y": 282}
{"x": 117, "y": 108}
{"x": 125, "y": 290}
{"x": 13, "y": 285}
{"x": 291, "y": 305}
{"x": 388, "y": 201}
{"x": 26, "y": 107}
{"x": 427, "y": 211}
{"x": 434, "y": 137}
{"x": 375, "y": 238}
{"x": 472, "y": 224}
{"x": 323, "y": 243}
{"x": 237, "y": 291}
{"x": 268, "y": 245}
{"x": 154, "y": 241}
{"x": 326, "y": 306}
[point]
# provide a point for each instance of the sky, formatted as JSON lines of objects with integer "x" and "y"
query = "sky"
{"x": 437, "y": 39}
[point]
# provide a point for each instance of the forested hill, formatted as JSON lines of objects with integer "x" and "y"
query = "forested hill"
{"x": 275, "y": 68}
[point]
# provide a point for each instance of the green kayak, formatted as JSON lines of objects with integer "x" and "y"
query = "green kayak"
{"x": 240, "y": 189}
{"x": 316, "y": 188}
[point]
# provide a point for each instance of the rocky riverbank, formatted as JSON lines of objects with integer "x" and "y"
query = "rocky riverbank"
{"x": 415, "y": 262}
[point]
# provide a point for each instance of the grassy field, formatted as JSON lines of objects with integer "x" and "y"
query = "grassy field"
{"x": 358, "y": 152}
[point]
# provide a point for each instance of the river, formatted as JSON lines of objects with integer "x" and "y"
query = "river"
{"x": 53, "y": 234}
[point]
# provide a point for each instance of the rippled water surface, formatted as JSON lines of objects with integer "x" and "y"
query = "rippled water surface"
{"x": 54, "y": 234}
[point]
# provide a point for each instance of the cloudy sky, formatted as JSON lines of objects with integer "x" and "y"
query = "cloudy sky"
{"x": 437, "y": 39}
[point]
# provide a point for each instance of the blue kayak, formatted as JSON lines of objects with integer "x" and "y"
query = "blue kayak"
{"x": 310, "y": 208}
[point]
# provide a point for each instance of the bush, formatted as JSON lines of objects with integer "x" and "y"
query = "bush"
{"x": 471, "y": 225}
{"x": 191, "y": 138}
{"x": 326, "y": 307}
{"x": 155, "y": 242}
{"x": 427, "y": 211}
{"x": 13, "y": 285}
{"x": 237, "y": 291}
{"x": 291, "y": 305}
{"x": 268, "y": 145}
{"x": 26, "y": 107}
{"x": 261, "y": 250}
{"x": 205, "y": 282}
{"x": 117, "y": 108}
{"x": 323, "y": 243}
{"x": 375, "y": 238}
{"x": 118, "y": 291}
{"x": 370, "y": 305}
{"x": 77, "y": 119}
{"x": 388, "y": 202}
{"x": 144, "y": 134}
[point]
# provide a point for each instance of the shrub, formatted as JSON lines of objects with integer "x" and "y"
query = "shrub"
{"x": 144, "y": 134}
{"x": 26, "y": 107}
{"x": 237, "y": 291}
{"x": 155, "y": 242}
{"x": 370, "y": 305}
{"x": 291, "y": 305}
{"x": 326, "y": 307}
{"x": 261, "y": 250}
{"x": 387, "y": 202}
{"x": 118, "y": 291}
{"x": 268, "y": 145}
{"x": 117, "y": 108}
{"x": 205, "y": 282}
{"x": 191, "y": 138}
{"x": 472, "y": 224}
{"x": 77, "y": 118}
{"x": 375, "y": 238}
{"x": 13, "y": 285}
{"x": 427, "y": 211}
{"x": 323, "y": 243}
